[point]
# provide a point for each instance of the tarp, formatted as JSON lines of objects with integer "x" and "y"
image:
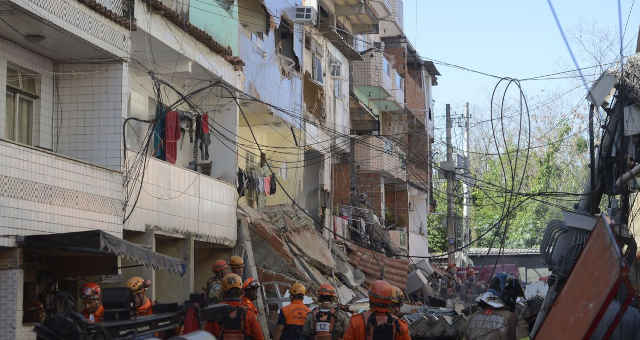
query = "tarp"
{"x": 99, "y": 242}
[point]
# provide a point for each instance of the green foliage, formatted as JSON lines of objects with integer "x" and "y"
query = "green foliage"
{"x": 552, "y": 168}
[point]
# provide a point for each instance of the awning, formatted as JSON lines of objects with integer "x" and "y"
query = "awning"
{"x": 98, "y": 242}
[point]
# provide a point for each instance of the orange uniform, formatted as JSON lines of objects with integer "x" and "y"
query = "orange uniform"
{"x": 145, "y": 308}
{"x": 358, "y": 330}
{"x": 293, "y": 317}
{"x": 250, "y": 326}
{"x": 98, "y": 315}
{"x": 249, "y": 304}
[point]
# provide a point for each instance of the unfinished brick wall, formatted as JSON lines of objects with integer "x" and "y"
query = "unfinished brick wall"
{"x": 397, "y": 203}
{"x": 341, "y": 184}
{"x": 414, "y": 93}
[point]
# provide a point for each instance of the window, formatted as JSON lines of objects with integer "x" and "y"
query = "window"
{"x": 336, "y": 74}
{"x": 316, "y": 66}
{"x": 21, "y": 97}
{"x": 388, "y": 146}
{"x": 399, "y": 82}
{"x": 284, "y": 42}
{"x": 387, "y": 66}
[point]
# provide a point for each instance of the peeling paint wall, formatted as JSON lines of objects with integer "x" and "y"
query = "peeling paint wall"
{"x": 264, "y": 78}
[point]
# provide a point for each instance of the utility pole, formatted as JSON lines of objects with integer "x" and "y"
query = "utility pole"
{"x": 466, "y": 227}
{"x": 451, "y": 180}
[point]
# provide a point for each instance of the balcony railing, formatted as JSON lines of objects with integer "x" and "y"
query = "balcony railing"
{"x": 43, "y": 192}
{"x": 378, "y": 154}
{"x": 375, "y": 73}
{"x": 121, "y": 8}
{"x": 183, "y": 201}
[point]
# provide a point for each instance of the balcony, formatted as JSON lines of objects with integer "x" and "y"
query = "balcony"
{"x": 395, "y": 25}
{"x": 364, "y": 15}
{"x": 70, "y": 29}
{"x": 182, "y": 201}
{"x": 373, "y": 82}
{"x": 43, "y": 192}
{"x": 378, "y": 154}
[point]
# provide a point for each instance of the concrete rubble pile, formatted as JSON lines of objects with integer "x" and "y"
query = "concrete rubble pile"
{"x": 288, "y": 248}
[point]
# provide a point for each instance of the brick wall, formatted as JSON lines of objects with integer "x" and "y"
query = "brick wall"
{"x": 92, "y": 103}
{"x": 414, "y": 93}
{"x": 397, "y": 203}
{"x": 341, "y": 184}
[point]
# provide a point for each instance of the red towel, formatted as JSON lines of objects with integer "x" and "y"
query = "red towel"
{"x": 205, "y": 123}
{"x": 267, "y": 186}
{"x": 172, "y": 135}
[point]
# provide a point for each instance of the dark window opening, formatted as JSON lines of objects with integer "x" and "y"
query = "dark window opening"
{"x": 284, "y": 42}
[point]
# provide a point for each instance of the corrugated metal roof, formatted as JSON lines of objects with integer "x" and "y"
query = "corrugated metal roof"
{"x": 375, "y": 265}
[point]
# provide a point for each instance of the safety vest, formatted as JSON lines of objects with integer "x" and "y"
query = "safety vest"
{"x": 380, "y": 326}
{"x": 96, "y": 316}
{"x": 324, "y": 321}
{"x": 145, "y": 308}
{"x": 295, "y": 315}
{"x": 233, "y": 324}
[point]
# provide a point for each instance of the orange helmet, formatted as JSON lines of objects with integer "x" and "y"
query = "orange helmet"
{"x": 137, "y": 284}
{"x": 90, "y": 291}
{"x": 326, "y": 290}
{"x": 219, "y": 266}
{"x": 297, "y": 289}
{"x": 251, "y": 283}
{"x": 230, "y": 281}
{"x": 236, "y": 261}
{"x": 380, "y": 295}
{"x": 398, "y": 296}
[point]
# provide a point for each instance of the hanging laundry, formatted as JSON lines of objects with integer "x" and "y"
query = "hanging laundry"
{"x": 267, "y": 185}
{"x": 261, "y": 184}
{"x": 158, "y": 134}
{"x": 272, "y": 190}
{"x": 205, "y": 139}
{"x": 241, "y": 182}
{"x": 172, "y": 135}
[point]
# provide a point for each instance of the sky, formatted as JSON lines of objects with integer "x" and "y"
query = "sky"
{"x": 514, "y": 38}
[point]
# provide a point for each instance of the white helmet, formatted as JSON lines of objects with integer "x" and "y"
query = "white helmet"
{"x": 490, "y": 299}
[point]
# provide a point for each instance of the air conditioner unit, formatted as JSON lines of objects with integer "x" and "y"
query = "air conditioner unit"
{"x": 306, "y": 15}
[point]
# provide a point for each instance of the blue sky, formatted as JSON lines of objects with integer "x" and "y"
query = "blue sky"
{"x": 509, "y": 38}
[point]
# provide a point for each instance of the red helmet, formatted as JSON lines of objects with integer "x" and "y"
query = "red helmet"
{"x": 326, "y": 289}
{"x": 219, "y": 265}
{"x": 380, "y": 295}
{"x": 90, "y": 291}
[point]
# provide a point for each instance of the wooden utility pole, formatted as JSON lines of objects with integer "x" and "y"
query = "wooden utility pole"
{"x": 451, "y": 232}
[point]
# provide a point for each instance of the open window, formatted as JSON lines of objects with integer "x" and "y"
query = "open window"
{"x": 21, "y": 101}
{"x": 336, "y": 74}
{"x": 284, "y": 42}
{"x": 316, "y": 65}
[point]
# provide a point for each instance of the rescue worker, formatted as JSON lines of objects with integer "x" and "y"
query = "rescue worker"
{"x": 327, "y": 321}
{"x": 91, "y": 299}
{"x": 237, "y": 265}
{"x": 496, "y": 319}
{"x": 397, "y": 301}
{"x": 292, "y": 317}
{"x": 214, "y": 284}
{"x": 250, "y": 288}
{"x": 138, "y": 287}
{"x": 378, "y": 323}
{"x": 241, "y": 323}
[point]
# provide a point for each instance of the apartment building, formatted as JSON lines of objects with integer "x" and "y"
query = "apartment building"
{"x": 73, "y": 73}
